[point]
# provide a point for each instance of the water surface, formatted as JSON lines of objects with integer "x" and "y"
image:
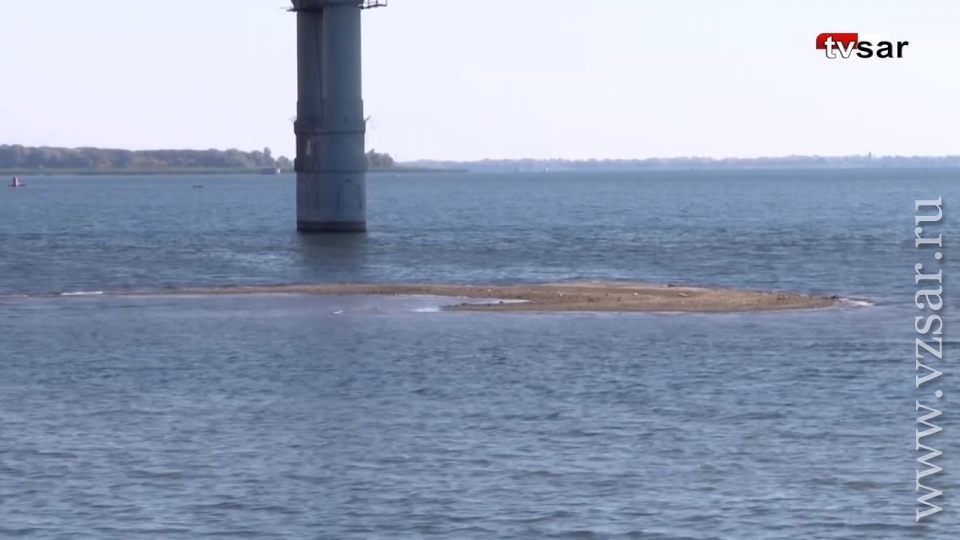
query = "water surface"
{"x": 292, "y": 416}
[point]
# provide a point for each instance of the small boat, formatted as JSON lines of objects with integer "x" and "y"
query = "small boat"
{"x": 198, "y": 185}
{"x": 16, "y": 182}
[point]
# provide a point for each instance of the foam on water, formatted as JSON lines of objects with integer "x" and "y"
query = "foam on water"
{"x": 852, "y": 302}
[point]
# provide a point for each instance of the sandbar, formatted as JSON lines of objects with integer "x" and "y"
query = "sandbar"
{"x": 566, "y": 296}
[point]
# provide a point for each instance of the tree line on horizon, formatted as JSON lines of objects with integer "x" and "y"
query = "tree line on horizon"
{"x": 683, "y": 163}
{"x": 16, "y": 156}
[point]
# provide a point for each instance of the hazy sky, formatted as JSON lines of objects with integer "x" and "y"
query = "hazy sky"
{"x": 471, "y": 79}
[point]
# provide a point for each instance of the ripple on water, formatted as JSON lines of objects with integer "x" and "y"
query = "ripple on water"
{"x": 348, "y": 418}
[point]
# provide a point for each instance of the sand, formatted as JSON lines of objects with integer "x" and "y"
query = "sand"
{"x": 571, "y": 296}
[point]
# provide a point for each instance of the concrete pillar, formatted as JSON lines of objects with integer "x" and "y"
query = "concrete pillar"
{"x": 331, "y": 163}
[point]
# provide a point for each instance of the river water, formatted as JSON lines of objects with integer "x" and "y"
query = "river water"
{"x": 291, "y": 416}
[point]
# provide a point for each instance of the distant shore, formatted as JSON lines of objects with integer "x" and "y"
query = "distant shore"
{"x": 199, "y": 171}
{"x": 418, "y": 170}
{"x": 556, "y": 297}
{"x": 16, "y": 159}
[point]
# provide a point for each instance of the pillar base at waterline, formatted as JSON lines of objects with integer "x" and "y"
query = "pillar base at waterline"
{"x": 331, "y": 202}
{"x": 306, "y": 226}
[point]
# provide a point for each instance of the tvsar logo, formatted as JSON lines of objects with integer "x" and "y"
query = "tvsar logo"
{"x": 843, "y": 44}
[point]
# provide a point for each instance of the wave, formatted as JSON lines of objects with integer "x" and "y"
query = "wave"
{"x": 855, "y": 302}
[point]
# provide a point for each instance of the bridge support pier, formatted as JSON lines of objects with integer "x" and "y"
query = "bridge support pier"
{"x": 331, "y": 163}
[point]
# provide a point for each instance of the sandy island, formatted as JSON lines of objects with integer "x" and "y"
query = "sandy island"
{"x": 573, "y": 296}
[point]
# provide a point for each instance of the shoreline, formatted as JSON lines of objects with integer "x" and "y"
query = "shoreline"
{"x": 200, "y": 171}
{"x": 578, "y": 296}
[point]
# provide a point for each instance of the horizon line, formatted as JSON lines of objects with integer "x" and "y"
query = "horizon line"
{"x": 868, "y": 155}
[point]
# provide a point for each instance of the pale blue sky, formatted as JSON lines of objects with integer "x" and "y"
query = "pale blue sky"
{"x": 469, "y": 79}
